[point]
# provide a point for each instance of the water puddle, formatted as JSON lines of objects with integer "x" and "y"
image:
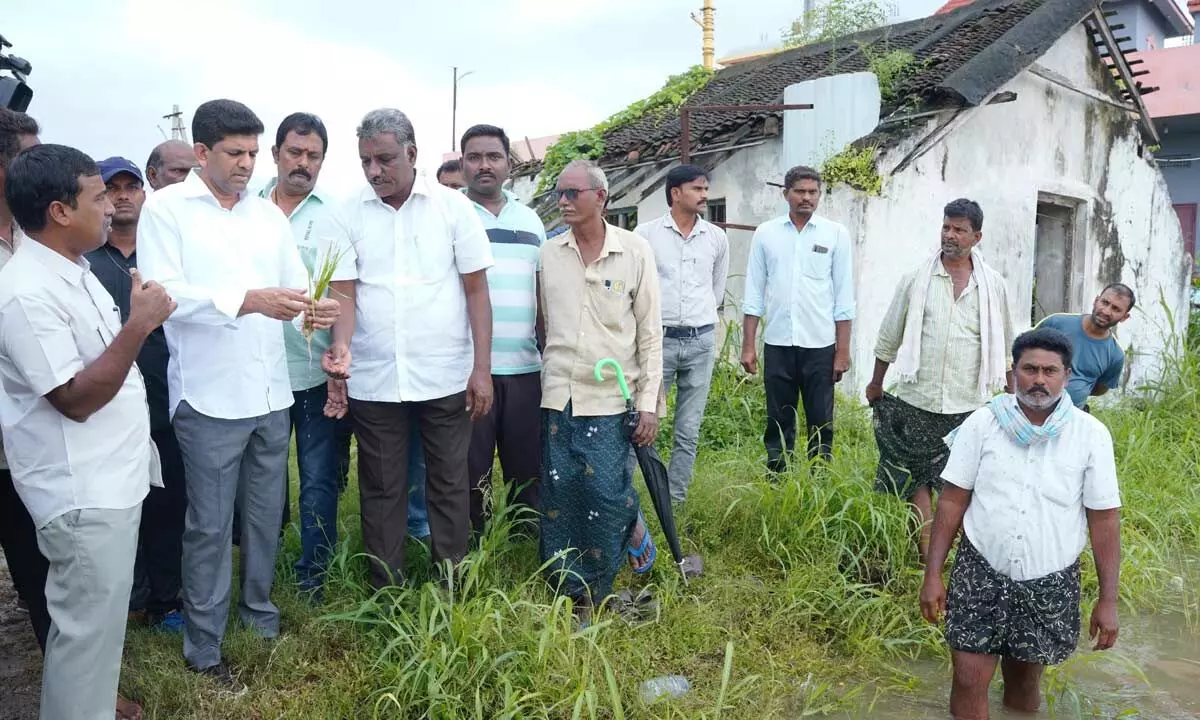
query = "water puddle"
{"x": 1154, "y": 672}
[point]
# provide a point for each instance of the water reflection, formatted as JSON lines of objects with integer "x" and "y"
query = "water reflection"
{"x": 1163, "y": 648}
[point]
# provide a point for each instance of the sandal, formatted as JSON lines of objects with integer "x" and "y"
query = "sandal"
{"x": 647, "y": 546}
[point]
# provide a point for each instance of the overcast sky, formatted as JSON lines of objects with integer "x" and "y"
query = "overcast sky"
{"x": 105, "y": 72}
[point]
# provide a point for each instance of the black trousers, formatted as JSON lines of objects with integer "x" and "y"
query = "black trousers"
{"x": 25, "y": 562}
{"x": 513, "y": 428}
{"x": 382, "y": 430}
{"x": 792, "y": 373}
{"x": 157, "y": 570}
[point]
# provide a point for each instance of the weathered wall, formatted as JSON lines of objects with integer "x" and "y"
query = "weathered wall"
{"x": 1049, "y": 140}
{"x": 1184, "y": 182}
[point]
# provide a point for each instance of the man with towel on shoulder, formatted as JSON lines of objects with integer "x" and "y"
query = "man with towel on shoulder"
{"x": 948, "y": 331}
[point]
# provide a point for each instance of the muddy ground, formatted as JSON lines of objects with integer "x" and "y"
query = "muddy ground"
{"x": 20, "y": 659}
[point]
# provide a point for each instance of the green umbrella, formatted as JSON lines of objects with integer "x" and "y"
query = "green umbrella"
{"x": 654, "y": 472}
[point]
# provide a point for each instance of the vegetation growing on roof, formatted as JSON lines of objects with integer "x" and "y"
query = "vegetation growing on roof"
{"x": 854, "y": 167}
{"x": 836, "y": 18}
{"x": 589, "y": 144}
{"x": 892, "y": 69}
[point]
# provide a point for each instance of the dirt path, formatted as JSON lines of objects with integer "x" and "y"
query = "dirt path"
{"x": 20, "y": 659}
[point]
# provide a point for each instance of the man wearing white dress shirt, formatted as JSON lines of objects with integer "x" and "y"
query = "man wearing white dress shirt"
{"x": 228, "y": 258}
{"x": 1030, "y": 477}
{"x": 75, "y": 421}
{"x": 692, "y": 257}
{"x": 414, "y": 340}
{"x": 800, "y": 275}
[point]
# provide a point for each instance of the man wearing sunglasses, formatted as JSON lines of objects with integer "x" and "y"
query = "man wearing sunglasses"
{"x": 598, "y": 298}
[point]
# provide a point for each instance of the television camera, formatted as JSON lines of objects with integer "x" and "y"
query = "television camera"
{"x": 14, "y": 93}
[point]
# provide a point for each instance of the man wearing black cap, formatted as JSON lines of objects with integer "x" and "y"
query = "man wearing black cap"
{"x": 156, "y": 579}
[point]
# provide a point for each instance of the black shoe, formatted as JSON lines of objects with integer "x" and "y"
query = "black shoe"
{"x": 221, "y": 675}
{"x": 22, "y": 606}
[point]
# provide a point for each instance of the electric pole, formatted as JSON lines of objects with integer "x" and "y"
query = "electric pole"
{"x": 178, "y": 132}
{"x": 454, "y": 110}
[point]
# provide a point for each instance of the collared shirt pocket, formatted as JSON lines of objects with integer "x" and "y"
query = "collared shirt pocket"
{"x": 610, "y": 303}
{"x": 1063, "y": 496}
{"x": 92, "y": 339}
{"x": 817, "y": 261}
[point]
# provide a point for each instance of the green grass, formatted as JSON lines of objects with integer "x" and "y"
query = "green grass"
{"x": 807, "y": 606}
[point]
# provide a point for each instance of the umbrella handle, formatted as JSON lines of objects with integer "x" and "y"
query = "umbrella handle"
{"x": 620, "y": 375}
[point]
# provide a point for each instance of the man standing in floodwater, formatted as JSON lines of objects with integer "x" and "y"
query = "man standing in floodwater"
{"x": 1030, "y": 477}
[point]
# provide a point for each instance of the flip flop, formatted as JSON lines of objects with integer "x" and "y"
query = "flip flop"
{"x": 647, "y": 545}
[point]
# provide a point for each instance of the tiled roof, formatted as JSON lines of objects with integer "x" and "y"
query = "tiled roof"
{"x": 964, "y": 56}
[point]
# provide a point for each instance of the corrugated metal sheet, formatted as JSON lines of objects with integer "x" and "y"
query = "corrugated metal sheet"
{"x": 849, "y": 109}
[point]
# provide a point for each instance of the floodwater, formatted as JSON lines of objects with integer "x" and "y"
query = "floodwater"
{"x": 1162, "y": 648}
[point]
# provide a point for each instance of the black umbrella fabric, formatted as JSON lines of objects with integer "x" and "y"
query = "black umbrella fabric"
{"x": 654, "y": 472}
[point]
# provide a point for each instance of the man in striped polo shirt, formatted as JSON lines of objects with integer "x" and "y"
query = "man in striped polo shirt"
{"x": 516, "y": 233}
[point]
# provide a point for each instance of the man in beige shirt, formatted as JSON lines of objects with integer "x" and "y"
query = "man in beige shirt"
{"x": 598, "y": 298}
{"x": 947, "y": 332}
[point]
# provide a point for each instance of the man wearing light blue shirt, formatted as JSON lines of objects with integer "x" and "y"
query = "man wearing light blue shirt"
{"x": 800, "y": 277}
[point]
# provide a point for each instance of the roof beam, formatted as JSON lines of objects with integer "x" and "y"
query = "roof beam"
{"x": 1100, "y": 27}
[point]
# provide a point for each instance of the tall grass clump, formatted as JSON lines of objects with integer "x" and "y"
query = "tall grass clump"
{"x": 807, "y": 606}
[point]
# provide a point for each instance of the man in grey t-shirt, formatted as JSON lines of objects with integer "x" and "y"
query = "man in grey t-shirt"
{"x": 1098, "y": 360}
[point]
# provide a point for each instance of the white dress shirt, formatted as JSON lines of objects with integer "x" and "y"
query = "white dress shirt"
{"x": 1027, "y": 515}
{"x": 208, "y": 258}
{"x": 801, "y": 280}
{"x": 7, "y": 242}
{"x": 412, "y": 338}
{"x": 691, "y": 270}
{"x": 55, "y": 320}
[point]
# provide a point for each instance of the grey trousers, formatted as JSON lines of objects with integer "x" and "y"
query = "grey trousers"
{"x": 687, "y": 364}
{"x": 91, "y": 554}
{"x": 228, "y": 461}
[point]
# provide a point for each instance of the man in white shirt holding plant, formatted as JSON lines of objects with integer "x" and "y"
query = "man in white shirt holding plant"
{"x": 229, "y": 260}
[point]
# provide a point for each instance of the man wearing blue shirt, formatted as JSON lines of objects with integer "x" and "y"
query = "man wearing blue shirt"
{"x": 800, "y": 276}
{"x": 1098, "y": 360}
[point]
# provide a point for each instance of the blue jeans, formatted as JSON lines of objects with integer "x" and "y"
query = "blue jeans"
{"x": 317, "y": 459}
{"x": 418, "y": 515}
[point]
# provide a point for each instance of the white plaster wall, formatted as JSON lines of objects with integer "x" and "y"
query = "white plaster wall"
{"x": 1051, "y": 140}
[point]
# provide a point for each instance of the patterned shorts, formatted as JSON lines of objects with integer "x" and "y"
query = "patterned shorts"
{"x": 1034, "y": 621}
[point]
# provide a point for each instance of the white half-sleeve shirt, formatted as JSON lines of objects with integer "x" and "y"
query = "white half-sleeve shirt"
{"x": 55, "y": 320}
{"x": 412, "y": 337}
{"x": 208, "y": 258}
{"x": 1028, "y": 509}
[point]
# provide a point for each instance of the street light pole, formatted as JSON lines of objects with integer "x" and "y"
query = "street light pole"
{"x": 454, "y": 109}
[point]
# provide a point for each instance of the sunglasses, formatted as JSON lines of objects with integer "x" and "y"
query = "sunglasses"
{"x": 571, "y": 194}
